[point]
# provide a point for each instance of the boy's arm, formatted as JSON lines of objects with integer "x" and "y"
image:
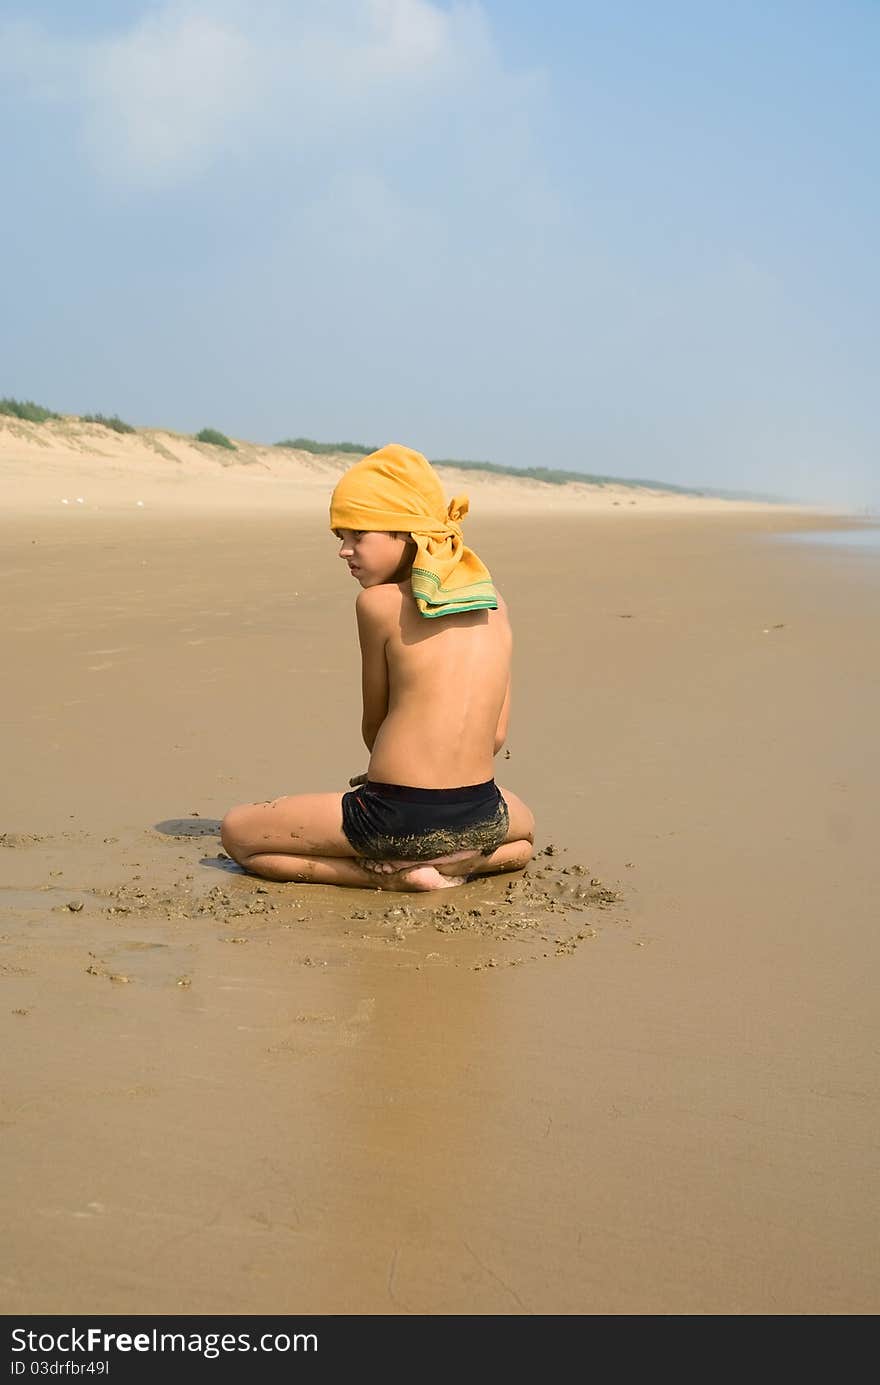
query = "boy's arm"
{"x": 371, "y": 607}
{"x": 503, "y": 721}
{"x": 504, "y": 714}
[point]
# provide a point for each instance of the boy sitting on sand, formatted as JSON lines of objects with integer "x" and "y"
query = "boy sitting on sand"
{"x": 435, "y": 645}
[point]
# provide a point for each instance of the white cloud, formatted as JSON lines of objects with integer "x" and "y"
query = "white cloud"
{"x": 170, "y": 95}
{"x": 194, "y": 82}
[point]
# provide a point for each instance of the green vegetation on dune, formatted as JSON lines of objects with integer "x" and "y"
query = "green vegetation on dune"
{"x": 30, "y": 412}
{"x": 112, "y": 421}
{"x": 216, "y": 439}
{"x": 325, "y": 449}
{"x": 552, "y": 476}
{"x": 557, "y": 477}
{"x": 26, "y": 409}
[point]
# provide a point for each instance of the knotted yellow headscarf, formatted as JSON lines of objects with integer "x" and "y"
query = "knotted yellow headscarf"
{"x": 398, "y": 489}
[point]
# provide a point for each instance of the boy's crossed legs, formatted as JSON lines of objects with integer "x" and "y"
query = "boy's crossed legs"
{"x": 300, "y": 838}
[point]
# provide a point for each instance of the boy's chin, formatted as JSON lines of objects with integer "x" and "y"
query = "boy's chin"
{"x": 377, "y": 581}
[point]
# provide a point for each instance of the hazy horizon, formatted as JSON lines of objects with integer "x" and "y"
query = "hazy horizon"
{"x": 634, "y": 241}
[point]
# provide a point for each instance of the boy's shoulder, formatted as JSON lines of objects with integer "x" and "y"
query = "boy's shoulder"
{"x": 380, "y": 598}
{"x": 391, "y": 599}
{"x": 377, "y": 606}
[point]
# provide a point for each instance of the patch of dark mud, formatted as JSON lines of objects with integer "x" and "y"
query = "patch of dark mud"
{"x": 223, "y": 863}
{"x": 151, "y": 961}
{"x": 45, "y": 899}
{"x": 547, "y": 911}
{"x": 182, "y": 901}
{"x": 24, "y": 840}
{"x": 192, "y": 826}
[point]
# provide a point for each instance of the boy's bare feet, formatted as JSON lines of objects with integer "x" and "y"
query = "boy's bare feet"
{"x": 395, "y": 867}
{"x": 424, "y": 878}
{"x": 420, "y": 875}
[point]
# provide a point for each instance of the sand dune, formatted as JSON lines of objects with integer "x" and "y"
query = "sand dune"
{"x": 43, "y": 465}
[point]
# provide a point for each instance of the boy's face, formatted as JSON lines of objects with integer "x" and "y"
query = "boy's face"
{"x": 375, "y": 556}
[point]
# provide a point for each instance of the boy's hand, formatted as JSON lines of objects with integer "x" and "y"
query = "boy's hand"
{"x": 358, "y": 779}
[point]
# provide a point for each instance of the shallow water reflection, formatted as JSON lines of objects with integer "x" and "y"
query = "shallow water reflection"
{"x": 866, "y": 539}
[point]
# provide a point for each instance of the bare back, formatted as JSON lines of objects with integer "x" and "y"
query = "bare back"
{"x": 447, "y": 682}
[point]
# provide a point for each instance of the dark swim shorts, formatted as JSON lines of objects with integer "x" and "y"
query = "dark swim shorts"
{"x": 395, "y": 822}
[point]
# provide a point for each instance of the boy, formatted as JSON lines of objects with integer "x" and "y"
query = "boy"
{"x": 435, "y": 646}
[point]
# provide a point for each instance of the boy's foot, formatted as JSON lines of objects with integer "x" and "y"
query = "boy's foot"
{"x": 416, "y": 875}
{"x": 394, "y": 867}
{"x": 424, "y": 878}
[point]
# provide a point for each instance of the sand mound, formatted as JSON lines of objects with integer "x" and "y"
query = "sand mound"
{"x": 67, "y": 463}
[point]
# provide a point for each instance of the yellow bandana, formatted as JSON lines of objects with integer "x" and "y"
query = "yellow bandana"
{"x": 398, "y": 489}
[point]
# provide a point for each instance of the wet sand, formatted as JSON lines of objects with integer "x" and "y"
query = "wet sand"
{"x": 643, "y": 1080}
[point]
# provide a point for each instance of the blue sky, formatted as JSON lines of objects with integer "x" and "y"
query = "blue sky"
{"x": 638, "y": 239}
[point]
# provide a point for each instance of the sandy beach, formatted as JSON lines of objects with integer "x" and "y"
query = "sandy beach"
{"x": 639, "y": 1078}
